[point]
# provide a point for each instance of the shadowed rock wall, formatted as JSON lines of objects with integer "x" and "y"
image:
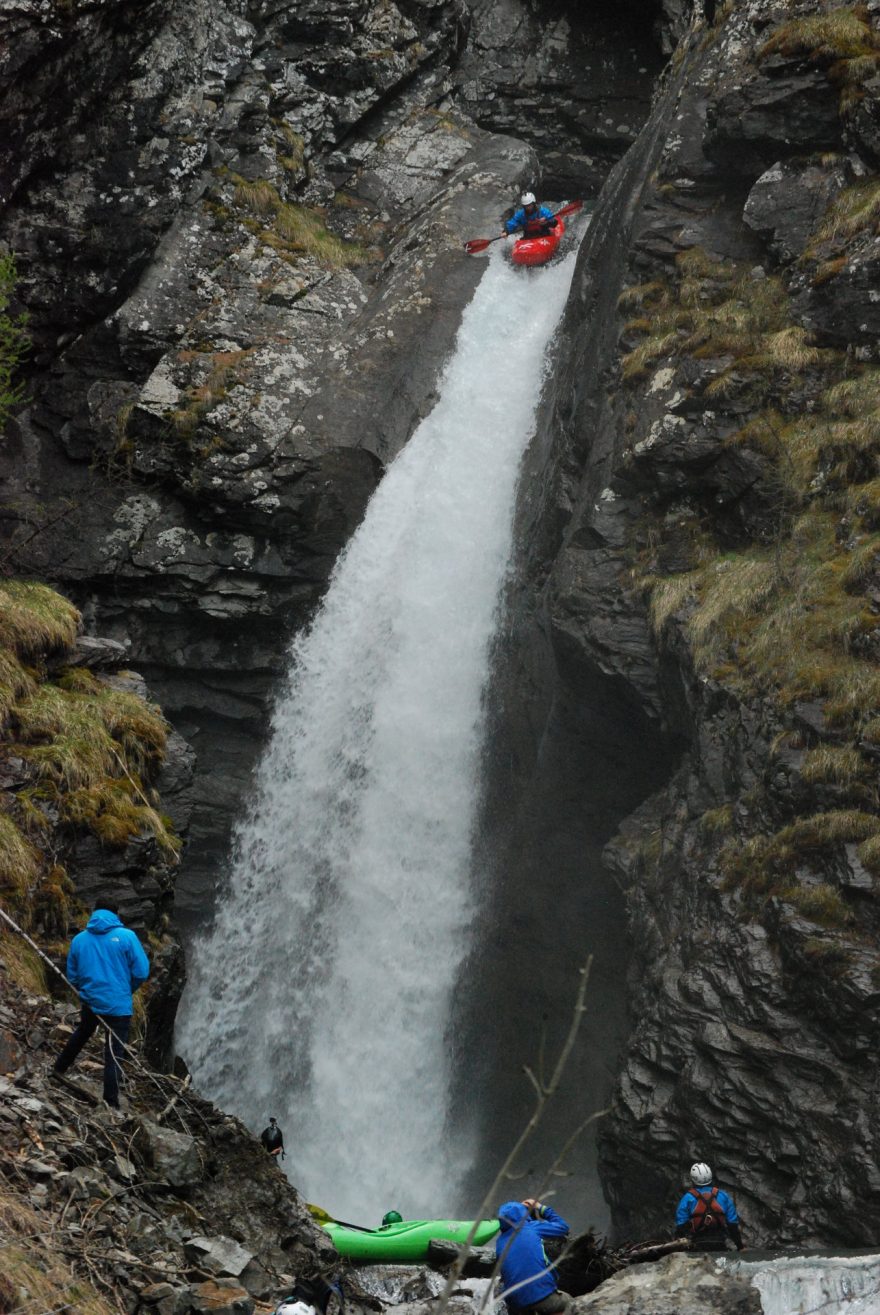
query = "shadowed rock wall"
{"x": 684, "y": 453}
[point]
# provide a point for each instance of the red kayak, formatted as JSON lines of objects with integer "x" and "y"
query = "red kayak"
{"x": 537, "y": 250}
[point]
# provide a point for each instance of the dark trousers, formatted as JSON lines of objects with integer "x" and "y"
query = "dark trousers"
{"x": 552, "y": 1305}
{"x": 119, "y": 1026}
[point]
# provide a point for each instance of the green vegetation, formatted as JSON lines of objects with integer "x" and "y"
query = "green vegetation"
{"x": 34, "y": 619}
{"x": 219, "y": 371}
{"x": 791, "y": 616}
{"x": 827, "y": 956}
{"x": 88, "y": 750}
{"x": 842, "y": 41}
{"x": 293, "y": 229}
{"x": 765, "y": 865}
{"x": 717, "y": 310}
{"x": 13, "y": 342}
{"x": 291, "y": 150}
{"x": 852, "y": 218}
{"x": 717, "y": 821}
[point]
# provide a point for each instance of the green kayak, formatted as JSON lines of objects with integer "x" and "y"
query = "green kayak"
{"x": 407, "y": 1240}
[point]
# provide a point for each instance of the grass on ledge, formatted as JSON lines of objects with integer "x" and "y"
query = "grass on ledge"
{"x": 294, "y": 229}
{"x": 716, "y": 310}
{"x": 765, "y": 866}
{"x": 842, "y": 40}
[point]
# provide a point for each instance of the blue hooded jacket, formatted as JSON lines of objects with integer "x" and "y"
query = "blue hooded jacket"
{"x": 106, "y": 963}
{"x": 522, "y": 220}
{"x": 521, "y": 1250}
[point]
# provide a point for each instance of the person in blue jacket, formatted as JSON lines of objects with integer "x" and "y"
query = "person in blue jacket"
{"x": 527, "y": 1277}
{"x": 534, "y": 220}
{"x": 707, "y": 1214}
{"x": 106, "y": 963}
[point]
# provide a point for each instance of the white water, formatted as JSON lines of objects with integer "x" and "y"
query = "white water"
{"x": 815, "y": 1285}
{"x": 323, "y": 993}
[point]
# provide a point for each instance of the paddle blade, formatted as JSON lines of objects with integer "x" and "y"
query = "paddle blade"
{"x": 319, "y": 1215}
{"x": 570, "y": 209}
{"x": 477, "y": 244}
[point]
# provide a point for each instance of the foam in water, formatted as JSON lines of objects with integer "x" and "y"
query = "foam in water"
{"x": 815, "y": 1285}
{"x": 322, "y": 994}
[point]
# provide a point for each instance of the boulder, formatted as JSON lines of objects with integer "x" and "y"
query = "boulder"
{"x": 787, "y": 201}
{"x": 218, "y": 1255}
{"x": 220, "y": 1296}
{"x": 163, "y": 1299}
{"x": 173, "y": 1156}
{"x": 677, "y": 1285}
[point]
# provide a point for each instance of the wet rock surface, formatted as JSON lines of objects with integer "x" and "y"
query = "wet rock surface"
{"x": 575, "y": 81}
{"x": 243, "y": 270}
{"x": 753, "y": 1002}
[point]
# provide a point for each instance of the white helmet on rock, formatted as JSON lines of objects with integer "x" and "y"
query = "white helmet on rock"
{"x": 528, "y": 198}
{"x": 701, "y": 1175}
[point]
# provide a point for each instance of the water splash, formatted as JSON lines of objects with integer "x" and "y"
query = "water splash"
{"x": 323, "y": 992}
{"x": 814, "y": 1285}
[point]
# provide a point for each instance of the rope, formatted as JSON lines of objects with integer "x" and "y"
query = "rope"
{"x": 111, "y": 1036}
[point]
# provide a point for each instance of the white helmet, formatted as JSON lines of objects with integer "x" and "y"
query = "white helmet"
{"x": 701, "y": 1175}
{"x": 528, "y": 198}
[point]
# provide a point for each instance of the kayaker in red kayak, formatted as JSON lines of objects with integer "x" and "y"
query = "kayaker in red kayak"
{"x": 535, "y": 220}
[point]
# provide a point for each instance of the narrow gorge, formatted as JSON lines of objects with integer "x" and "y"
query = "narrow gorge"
{"x": 590, "y": 672}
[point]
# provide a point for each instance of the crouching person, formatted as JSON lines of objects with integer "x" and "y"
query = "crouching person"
{"x": 528, "y": 1278}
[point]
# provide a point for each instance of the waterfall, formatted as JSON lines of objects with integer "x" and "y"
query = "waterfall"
{"x": 322, "y": 994}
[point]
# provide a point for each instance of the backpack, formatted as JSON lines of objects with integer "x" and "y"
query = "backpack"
{"x": 708, "y": 1213}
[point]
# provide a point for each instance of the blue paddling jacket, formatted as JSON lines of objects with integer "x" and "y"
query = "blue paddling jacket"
{"x": 707, "y": 1208}
{"x": 106, "y": 963}
{"x": 536, "y": 222}
{"x": 521, "y": 1250}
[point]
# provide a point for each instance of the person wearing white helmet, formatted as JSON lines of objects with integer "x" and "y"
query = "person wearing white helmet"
{"x": 706, "y": 1214}
{"x": 534, "y": 220}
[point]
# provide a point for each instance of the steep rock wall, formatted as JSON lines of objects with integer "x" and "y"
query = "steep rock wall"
{"x": 238, "y": 233}
{"x": 700, "y": 506}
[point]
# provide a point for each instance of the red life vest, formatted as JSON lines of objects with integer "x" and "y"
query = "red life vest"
{"x": 708, "y": 1212}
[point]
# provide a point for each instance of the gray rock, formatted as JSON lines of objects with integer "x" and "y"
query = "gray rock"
{"x": 788, "y": 200}
{"x": 97, "y": 654}
{"x": 165, "y": 1299}
{"x": 676, "y": 1285}
{"x": 173, "y": 1156}
{"x": 218, "y": 1255}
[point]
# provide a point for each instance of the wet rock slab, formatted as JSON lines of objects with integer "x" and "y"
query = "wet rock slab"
{"x": 677, "y": 1285}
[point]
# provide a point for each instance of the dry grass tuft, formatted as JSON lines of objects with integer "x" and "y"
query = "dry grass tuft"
{"x": 23, "y": 965}
{"x": 835, "y": 764}
{"x": 295, "y": 229}
{"x": 821, "y": 904}
{"x": 19, "y": 860}
{"x": 717, "y": 821}
{"x": 869, "y": 855}
{"x": 35, "y": 620}
{"x": 33, "y": 1269}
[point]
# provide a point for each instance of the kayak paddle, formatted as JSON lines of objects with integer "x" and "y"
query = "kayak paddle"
{"x": 321, "y": 1216}
{"x": 477, "y": 244}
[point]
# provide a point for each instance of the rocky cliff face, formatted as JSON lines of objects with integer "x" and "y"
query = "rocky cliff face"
{"x": 704, "y": 548}
{"x": 238, "y": 233}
